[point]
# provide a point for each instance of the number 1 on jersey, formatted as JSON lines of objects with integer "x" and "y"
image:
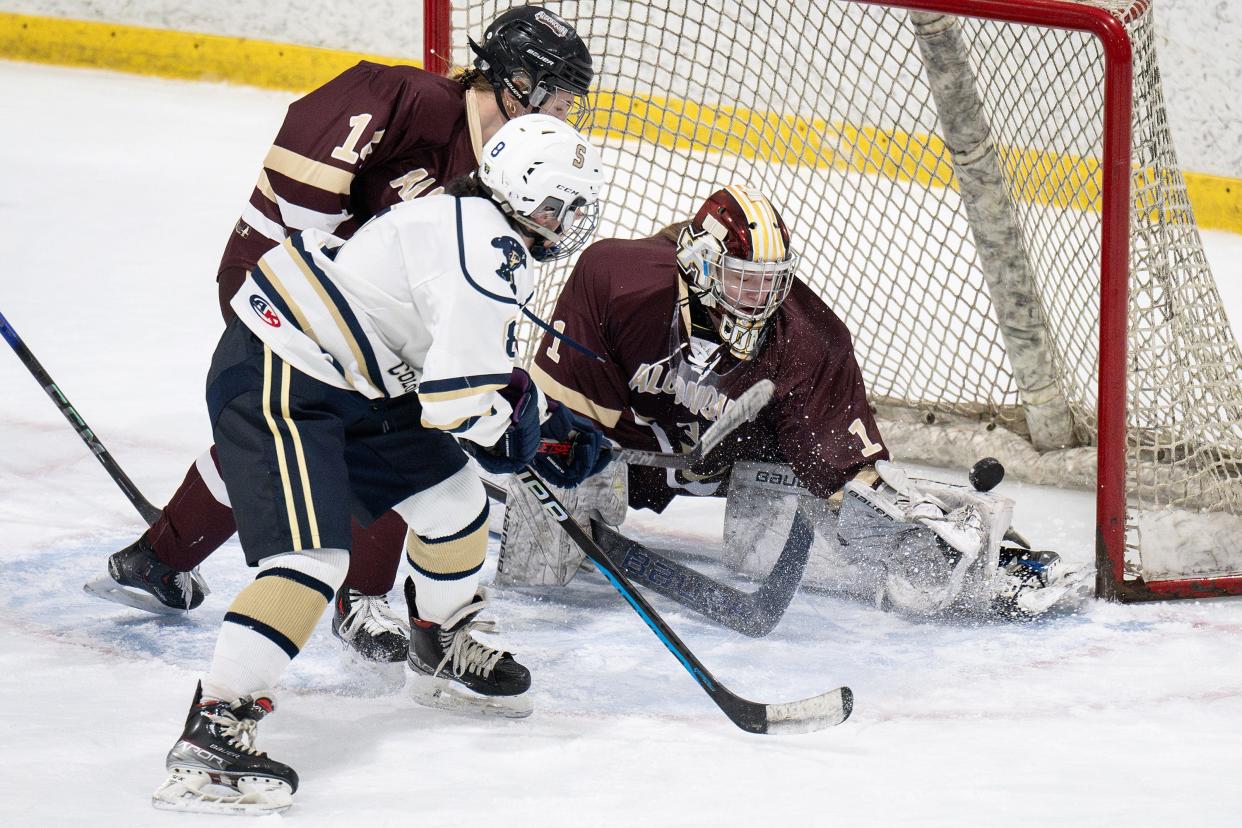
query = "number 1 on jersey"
{"x": 348, "y": 151}
{"x": 859, "y": 430}
{"x": 554, "y": 351}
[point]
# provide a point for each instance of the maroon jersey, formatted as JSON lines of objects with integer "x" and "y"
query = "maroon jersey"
{"x": 369, "y": 138}
{"x": 626, "y": 301}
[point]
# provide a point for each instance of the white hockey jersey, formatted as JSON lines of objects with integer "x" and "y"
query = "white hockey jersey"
{"x": 424, "y": 299}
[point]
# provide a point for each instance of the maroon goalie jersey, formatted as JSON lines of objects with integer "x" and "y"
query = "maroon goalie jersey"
{"x": 626, "y": 301}
{"x": 372, "y": 137}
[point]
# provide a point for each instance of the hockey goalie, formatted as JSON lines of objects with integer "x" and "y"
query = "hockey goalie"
{"x": 690, "y": 318}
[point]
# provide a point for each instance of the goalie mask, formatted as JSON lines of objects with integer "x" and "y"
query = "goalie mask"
{"x": 735, "y": 254}
{"x": 546, "y": 177}
{"x": 538, "y": 58}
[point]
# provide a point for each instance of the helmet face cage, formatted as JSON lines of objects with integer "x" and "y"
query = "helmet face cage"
{"x": 547, "y": 178}
{"x": 538, "y": 58}
{"x": 736, "y": 254}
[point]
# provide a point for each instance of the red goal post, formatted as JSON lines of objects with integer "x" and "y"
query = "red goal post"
{"x": 1123, "y": 484}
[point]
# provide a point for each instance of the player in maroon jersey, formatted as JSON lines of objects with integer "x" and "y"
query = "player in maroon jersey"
{"x": 689, "y": 319}
{"x": 370, "y": 138}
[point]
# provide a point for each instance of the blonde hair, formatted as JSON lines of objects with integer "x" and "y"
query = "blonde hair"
{"x": 470, "y": 78}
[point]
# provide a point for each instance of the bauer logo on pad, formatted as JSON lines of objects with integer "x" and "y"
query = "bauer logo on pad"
{"x": 264, "y": 310}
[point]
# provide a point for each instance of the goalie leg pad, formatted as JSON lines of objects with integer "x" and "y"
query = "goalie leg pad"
{"x": 927, "y": 547}
{"x": 534, "y": 550}
{"x": 762, "y": 499}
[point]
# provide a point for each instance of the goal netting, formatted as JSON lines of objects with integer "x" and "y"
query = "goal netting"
{"x": 973, "y": 197}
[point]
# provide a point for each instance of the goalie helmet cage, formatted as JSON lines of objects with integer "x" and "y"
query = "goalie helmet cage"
{"x": 986, "y": 192}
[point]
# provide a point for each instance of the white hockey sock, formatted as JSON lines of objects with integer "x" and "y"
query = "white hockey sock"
{"x": 270, "y": 621}
{"x": 438, "y": 600}
{"x": 447, "y": 543}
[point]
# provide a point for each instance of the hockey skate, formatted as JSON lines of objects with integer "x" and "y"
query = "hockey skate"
{"x": 370, "y": 633}
{"x": 138, "y": 579}
{"x": 215, "y": 769}
{"x": 450, "y": 670}
{"x": 1030, "y": 584}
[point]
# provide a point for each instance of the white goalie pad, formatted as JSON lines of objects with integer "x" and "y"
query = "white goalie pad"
{"x": 759, "y": 512}
{"x": 534, "y": 550}
{"x": 924, "y": 547}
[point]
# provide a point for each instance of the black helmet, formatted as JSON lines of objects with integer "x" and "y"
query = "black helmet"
{"x": 530, "y": 53}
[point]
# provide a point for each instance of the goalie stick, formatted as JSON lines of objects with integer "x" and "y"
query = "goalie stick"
{"x": 751, "y": 613}
{"x": 149, "y": 513}
{"x": 744, "y": 409}
{"x": 804, "y": 716}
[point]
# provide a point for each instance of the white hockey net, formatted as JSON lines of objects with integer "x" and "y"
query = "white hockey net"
{"x": 829, "y": 107}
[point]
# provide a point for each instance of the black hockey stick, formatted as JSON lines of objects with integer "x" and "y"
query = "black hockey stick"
{"x": 805, "y": 716}
{"x": 751, "y": 613}
{"x": 755, "y": 613}
{"x": 744, "y": 408}
{"x": 149, "y": 513}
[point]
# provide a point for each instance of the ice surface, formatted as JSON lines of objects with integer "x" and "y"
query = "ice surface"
{"x": 118, "y": 193}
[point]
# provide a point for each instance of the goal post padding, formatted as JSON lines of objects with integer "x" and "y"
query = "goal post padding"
{"x": 987, "y": 193}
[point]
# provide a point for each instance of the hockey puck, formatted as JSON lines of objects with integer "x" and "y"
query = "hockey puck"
{"x": 987, "y": 474}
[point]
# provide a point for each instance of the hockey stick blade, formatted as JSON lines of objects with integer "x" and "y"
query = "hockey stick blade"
{"x": 805, "y": 716}
{"x": 755, "y": 613}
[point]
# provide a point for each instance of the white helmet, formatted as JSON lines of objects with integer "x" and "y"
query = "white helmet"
{"x": 547, "y": 177}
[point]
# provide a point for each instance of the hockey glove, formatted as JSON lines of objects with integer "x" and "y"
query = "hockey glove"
{"x": 580, "y": 448}
{"x": 517, "y": 446}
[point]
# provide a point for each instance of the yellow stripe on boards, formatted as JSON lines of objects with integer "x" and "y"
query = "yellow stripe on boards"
{"x": 668, "y": 122}
{"x": 171, "y": 54}
{"x": 294, "y": 531}
{"x": 311, "y": 520}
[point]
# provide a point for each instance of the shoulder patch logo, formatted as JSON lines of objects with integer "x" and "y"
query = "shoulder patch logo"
{"x": 514, "y": 257}
{"x": 264, "y": 310}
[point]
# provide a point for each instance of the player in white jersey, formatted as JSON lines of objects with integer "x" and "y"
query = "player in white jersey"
{"x": 344, "y": 386}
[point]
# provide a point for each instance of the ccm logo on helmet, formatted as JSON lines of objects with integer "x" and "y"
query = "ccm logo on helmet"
{"x": 264, "y": 310}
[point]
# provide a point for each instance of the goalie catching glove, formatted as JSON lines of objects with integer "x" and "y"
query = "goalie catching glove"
{"x": 574, "y": 450}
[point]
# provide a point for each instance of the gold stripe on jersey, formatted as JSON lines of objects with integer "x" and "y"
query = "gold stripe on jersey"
{"x": 455, "y": 425}
{"x": 606, "y": 417}
{"x": 295, "y": 530}
{"x": 288, "y": 607}
{"x": 460, "y": 393}
{"x": 308, "y": 171}
{"x": 264, "y": 185}
{"x": 303, "y": 323}
{"x": 312, "y": 519}
{"x": 346, "y": 334}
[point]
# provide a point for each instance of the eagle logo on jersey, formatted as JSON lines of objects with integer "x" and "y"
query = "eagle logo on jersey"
{"x": 514, "y": 257}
